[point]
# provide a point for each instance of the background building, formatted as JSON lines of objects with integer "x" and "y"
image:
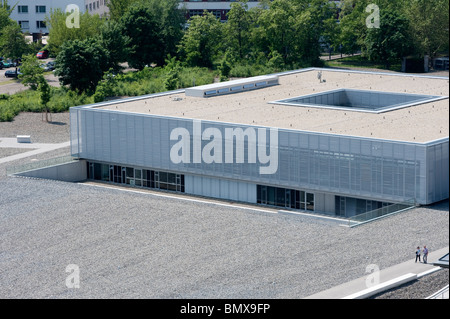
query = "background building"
{"x": 194, "y": 7}
{"x": 31, "y": 15}
{"x": 97, "y": 7}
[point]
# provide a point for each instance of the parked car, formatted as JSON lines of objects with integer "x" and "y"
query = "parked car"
{"x": 50, "y": 66}
{"x": 12, "y": 73}
{"x": 43, "y": 54}
{"x": 6, "y": 64}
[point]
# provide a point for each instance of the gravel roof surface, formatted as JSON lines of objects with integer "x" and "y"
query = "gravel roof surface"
{"x": 40, "y": 131}
{"x": 417, "y": 289}
{"x": 9, "y": 151}
{"x": 133, "y": 245}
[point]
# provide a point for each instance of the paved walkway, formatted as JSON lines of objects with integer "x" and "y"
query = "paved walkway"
{"x": 387, "y": 274}
{"x": 35, "y": 148}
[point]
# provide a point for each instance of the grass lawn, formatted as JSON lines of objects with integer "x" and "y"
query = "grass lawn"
{"x": 359, "y": 61}
{"x": 7, "y": 82}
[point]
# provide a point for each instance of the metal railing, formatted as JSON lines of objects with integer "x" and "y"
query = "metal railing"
{"x": 39, "y": 164}
{"x": 441, "y": 294}
{"x": 379, "y": 213}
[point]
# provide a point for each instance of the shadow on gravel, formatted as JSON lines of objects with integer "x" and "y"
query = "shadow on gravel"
{"x": 57, "y": 123}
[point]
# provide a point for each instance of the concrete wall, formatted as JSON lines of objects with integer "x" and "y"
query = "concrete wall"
{"x": 70, "y": 172}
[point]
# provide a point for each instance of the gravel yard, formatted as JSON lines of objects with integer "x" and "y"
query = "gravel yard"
{"x": 418, "y": 289}
{"x": 40, "y": 131}
{"x": 5, "y": 152}
{"x": 132, "y": 245}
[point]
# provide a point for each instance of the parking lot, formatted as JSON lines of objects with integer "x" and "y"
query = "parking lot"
{"x": 11, "y": 85}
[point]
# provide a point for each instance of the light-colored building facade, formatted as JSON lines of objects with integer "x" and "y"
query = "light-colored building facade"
{"x": 31, "y": 15}
{"x": 354, "y": 143}
{"x": 99, "y": 7}
{"x": 193, "y": 7}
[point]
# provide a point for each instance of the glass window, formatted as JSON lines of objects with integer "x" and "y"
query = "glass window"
{"x": 40, "y": 24}
{"x": 22, "y": 9}
{"x": 24, "y": 24}
{"x": 105, "y": 172}
{"x": 310, "y": 202}
{"x": 40, "y": 9}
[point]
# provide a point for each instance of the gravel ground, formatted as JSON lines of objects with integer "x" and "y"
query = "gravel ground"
{"x": 57, "y": 131}
{"x": 417, "y": 289}
{"x": 9, "y": 151}
{"x": 131, "y": 245}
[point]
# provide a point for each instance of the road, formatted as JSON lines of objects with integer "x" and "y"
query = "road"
{"x": 11, "y": 86}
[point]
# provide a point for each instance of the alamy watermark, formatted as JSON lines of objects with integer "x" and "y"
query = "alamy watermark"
{"x": 73, "y": 19}
{"x": 374, "y": 278}
{"x": 73, "y": 279}
{"x": 373, "y": 20}
{"x": 228, "y": 149}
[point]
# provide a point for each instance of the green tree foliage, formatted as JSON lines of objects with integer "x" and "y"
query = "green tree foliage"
{"x": 59, "y": 32}
{"x": 238, "y": 28}
{"x": 117, "y": 8}
{"x": 115, "y": 43}
{"x": 12, "y": 42}
{"x": 44, "y": 95}
{"x": 154, "y": 28}
{"x": 429, "y": 25}
{"x": 292, "y": 28}
{"x": 31, "y": 72}
{"x": 390, "y": 42}
{"x": 81, "y": 64}
{"x": 172, "y": 77}
{"x": 106, "y": 87}
{"x": 201, "y": 43}
{"x": 4, "y": 15}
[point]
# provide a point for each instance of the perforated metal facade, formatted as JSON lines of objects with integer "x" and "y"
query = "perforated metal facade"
{"x": 329, "y": 164}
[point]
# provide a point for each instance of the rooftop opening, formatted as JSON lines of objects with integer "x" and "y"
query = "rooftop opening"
{"x": 359, "y": 100}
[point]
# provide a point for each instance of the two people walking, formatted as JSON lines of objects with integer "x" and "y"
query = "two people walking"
{"x": 424, "y": 251}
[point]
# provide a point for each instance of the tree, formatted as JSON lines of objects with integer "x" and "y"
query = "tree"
{"x": 237, "y": 29}
{"x": 429, "y": 26}
{"x": 59, "y": 32}
{"x": 172, "y": 78}
{"x": 12, "y": 42}
{"x": 81, "y": 64}
{"x": 155, "y": 28}
{"x": 44, "y": 95}
{"x": 4, "y": 15}
{"x": 389, "y": 43}
{"x": 31, "y": 72}
{"x": 201, "y": 42}
{"x": 117, "y": 8}
{"x": 292, "y": 28}
{"x": 116, "y": 44}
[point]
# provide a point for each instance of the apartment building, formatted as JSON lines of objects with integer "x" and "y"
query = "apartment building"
{"x": 31, "y": 15}
{"x": 219, "y": 8}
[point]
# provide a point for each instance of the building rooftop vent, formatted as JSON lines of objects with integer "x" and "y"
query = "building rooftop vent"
{"x": 234, "y": 86}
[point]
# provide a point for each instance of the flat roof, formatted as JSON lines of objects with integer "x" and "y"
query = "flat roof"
{"x": 422, "y": 123}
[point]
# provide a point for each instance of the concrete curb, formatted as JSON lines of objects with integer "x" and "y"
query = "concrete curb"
{"x": 366, "y": 293}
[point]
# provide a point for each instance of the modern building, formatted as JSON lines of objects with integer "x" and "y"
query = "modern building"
{"x": 99, "y": 7}
{"x": 31, "y": 15}
{"x": 318, "y": 140}
{"x": 219, "y": 8}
